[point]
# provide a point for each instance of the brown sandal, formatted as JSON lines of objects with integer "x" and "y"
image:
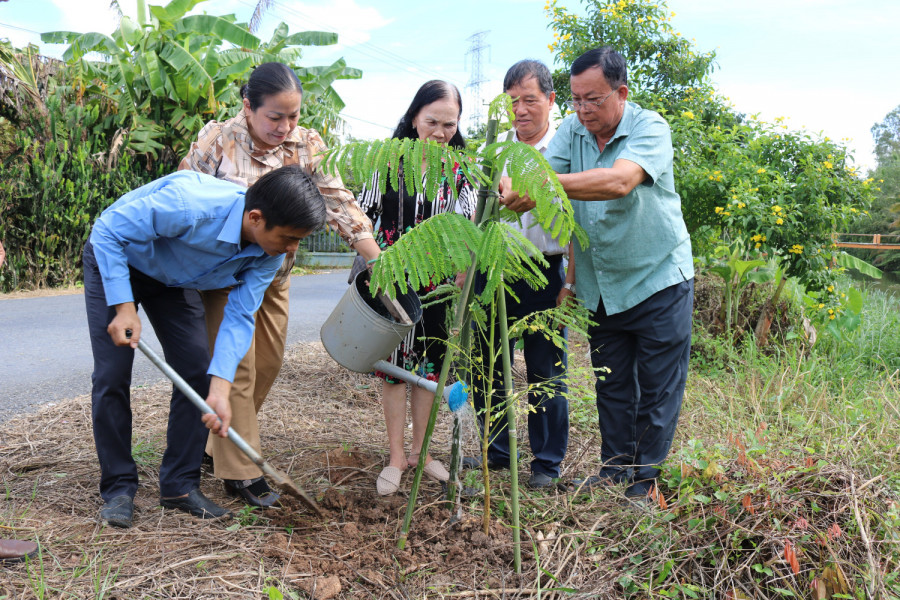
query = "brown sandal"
{"x": 17, "y": 550}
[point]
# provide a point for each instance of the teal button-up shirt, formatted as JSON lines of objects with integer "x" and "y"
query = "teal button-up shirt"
{"x": 639, "y": 244}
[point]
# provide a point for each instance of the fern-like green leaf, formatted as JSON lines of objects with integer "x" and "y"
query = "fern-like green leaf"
{"x": 410, "y": 175}
{"x": 381, "y": 163}
{"x": 435, "y": 249}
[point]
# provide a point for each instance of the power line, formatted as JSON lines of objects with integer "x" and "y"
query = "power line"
{"x": 8, "y": 26}
{"x": 346, "y": 116}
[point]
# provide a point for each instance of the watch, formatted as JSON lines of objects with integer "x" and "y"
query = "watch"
{"x": 570, "y": 287}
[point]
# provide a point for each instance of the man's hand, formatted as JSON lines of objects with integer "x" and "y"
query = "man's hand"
{"x": 126, "y": 320}
{"x": 511, "y": 199}
{"x": 563, "y": 296}
{"x": 219, "y": 392}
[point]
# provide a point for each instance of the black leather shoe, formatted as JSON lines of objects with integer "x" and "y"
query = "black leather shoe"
{"x": 474, "y": 462}
{"x": 196, "y": 504}
{"x": 540, "y": 481}
{"x": 255, "y": 492}
{"x": 118, "y": 512}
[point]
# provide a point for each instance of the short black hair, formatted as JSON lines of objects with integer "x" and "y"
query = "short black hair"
{"x": 524, "y": 69}
{"x": 267, "y": 80}
{"x": 431, "y": 91}
{"x": 608, "y": 60}
{"x": 287, "y": 197}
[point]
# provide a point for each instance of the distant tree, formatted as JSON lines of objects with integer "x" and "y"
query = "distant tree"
{"x": 887, "y": 137}
{"x": 884, "y": 215}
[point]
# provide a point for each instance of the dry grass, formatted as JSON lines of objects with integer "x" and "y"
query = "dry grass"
{"x": 731, "y": 515}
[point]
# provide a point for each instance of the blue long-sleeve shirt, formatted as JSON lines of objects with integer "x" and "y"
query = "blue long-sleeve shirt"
{"x": 184, "y": 230}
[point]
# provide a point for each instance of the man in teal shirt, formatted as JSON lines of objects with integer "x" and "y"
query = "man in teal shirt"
{"x": 636, "y": 274}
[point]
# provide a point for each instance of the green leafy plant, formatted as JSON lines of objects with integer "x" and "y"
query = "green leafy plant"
{"x": 447, "y": 244}
{"x": 736, "y": 273}
{"x": 168, "y": 73}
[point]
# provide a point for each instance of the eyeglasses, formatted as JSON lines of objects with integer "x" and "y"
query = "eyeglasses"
{"x": 593, "y": 104}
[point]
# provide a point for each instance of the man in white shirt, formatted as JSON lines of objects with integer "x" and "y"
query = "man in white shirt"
{"x": 529, "y": 84}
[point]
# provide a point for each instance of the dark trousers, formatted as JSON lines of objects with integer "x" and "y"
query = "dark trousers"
{"x": 646, "y": 349}
{"x": 177, "y": 318}
{"x": 548, "y": 422}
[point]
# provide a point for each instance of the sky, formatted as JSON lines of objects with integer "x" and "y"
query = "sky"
{"x": 828, "y": 66}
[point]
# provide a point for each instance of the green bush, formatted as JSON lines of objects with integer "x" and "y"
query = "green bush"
{"x": 52, "y": 188}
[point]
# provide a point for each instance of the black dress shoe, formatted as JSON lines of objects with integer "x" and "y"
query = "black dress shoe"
{"x": 255, "y": 492}
{"x": 118, "y": 512}
{"x": 540, "y": 481}
{"x": 196, "y": 504}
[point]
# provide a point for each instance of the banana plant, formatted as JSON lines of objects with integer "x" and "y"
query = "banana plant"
{"x": 737, "y": 274}
{"x": 169, "y": 72}
{"x": 448, "y": 243}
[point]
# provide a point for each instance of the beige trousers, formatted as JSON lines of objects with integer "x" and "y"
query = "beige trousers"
{"x": 253, "y": 379}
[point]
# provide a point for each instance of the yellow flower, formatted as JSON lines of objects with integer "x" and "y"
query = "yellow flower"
{"x": 821, "y": 305}
{"x": 687, "y": 114}
{"x": 828, "y": 164}
{"x": 719, "y": 209}
{"x": 830, "y": 311}
{"x": 741, "y": 205}
{"x": 776, "y": 209}
{"x": 831, "y": 317}
{"x": 760, "y": 170}
{"x": 830, "y": 288}
{"x": 779, "y": 221}
{"x": 757, "y": 245}
{"x": 726, "y": 214}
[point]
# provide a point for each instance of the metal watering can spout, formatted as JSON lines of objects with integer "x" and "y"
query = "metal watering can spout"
{"x": 456, "y": 394}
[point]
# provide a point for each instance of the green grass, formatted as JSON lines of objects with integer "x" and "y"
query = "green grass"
{"x": 787, "y": 445}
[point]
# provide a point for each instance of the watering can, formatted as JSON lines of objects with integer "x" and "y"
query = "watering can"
{"x": 362, "y": 331}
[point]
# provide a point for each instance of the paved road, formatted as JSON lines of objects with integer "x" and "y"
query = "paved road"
{"x": 45, "y": 354}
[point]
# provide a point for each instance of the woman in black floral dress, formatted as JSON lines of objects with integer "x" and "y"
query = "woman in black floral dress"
{"x": 433, "y": 115}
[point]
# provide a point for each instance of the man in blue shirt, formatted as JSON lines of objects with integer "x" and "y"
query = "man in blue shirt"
{"x": 636, "y": 273}
{"x": 155, "y": 247}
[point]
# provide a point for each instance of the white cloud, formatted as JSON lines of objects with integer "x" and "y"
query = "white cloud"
{"x": 352, "y": 21}
{"x": 89, "y": 15}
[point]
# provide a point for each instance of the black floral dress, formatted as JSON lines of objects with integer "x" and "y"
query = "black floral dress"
{"x": 422, "y": 350}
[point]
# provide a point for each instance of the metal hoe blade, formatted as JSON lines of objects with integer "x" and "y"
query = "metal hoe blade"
{"x": 280, "y": 478}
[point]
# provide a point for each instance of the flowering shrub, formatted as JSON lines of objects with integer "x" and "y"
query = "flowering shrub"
{"x": 775, "y": 193}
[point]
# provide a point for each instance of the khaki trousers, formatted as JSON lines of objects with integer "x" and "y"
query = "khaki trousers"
{"x": 253, "y": 379}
